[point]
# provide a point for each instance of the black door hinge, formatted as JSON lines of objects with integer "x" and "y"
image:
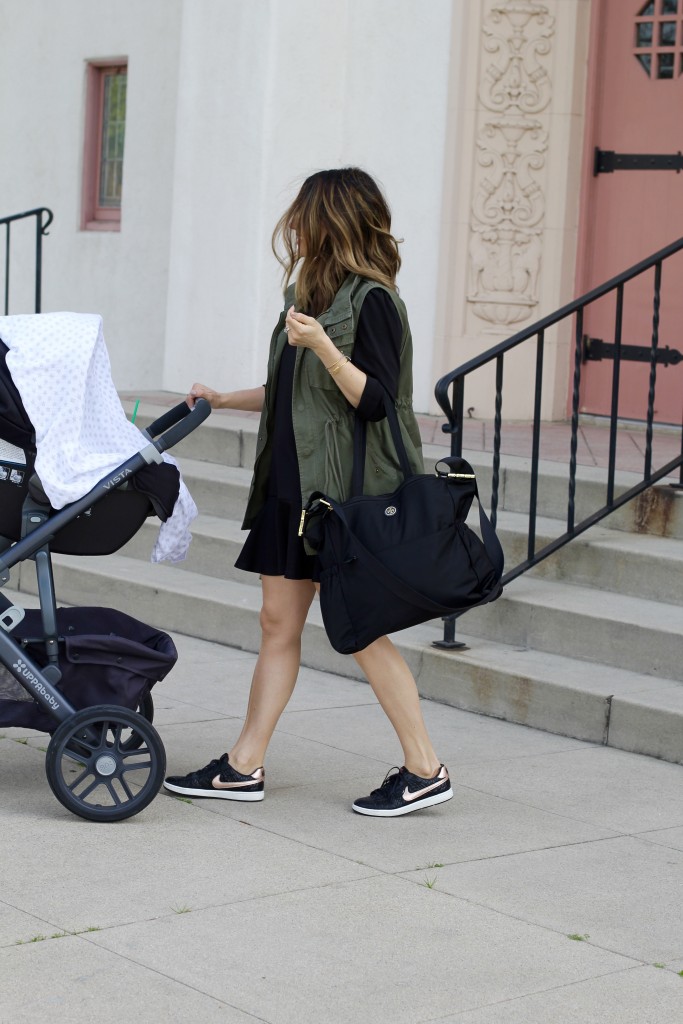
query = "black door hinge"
{"x": 606, "y": 161}
{"x": 595, "y": 350}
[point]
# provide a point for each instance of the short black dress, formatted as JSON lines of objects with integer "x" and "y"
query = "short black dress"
{"x": 273, "y": 547}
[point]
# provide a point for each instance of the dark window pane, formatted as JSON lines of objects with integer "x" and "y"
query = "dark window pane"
{"x": 667, "y": 33}
{"x": 646, "y": 60}
{"x": 669, "y": 6}
{"x": 665, "y": 65}
{"x": 648, "y": 9}
{"x": 644, "y": 34}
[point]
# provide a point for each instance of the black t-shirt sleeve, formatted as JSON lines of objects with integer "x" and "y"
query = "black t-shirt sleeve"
{"x": 377, "y": 352}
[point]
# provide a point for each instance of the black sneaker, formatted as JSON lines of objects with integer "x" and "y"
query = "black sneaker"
{"x": 219, "y": 779}
{"x": 402, "y": 792}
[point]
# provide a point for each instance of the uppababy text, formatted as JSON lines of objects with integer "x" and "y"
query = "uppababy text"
{"x": 25, "y": 671}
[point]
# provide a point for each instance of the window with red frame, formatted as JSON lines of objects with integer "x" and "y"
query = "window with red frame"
{"x": 104, "y": 143}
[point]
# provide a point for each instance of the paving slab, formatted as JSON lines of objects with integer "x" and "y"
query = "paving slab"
{"x": 18, "y": 927}
{"x": 611, "y": 788}
{"x": 639, "y": 995}
{"x": 389, "y": 951}
{"x": 62, "y": 980}
{"x": 615, "y": 894}
{"x": 671, "y": 837}
{"x": 97, "y": 885}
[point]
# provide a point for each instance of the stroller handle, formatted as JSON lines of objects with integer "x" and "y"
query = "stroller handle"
{"x": 177, "y": 423}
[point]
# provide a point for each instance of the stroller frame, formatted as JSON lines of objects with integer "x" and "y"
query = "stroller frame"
{"x": 112, "y": 740}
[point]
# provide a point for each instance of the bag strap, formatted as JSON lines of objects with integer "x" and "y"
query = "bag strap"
{"x": 360, "y": 445}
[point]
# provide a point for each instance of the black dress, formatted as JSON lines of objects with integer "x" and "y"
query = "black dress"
{"x": 273, "y": 547}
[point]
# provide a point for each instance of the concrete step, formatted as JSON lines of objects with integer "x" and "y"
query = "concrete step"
{"x": 586, "y": 624}
{"x": 217, "y": 490}
{"x": 638, "y": 565}
{"x": 621, "y": 707}
{"x": 216, "y": 543}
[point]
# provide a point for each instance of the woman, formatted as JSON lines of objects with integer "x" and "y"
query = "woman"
{"x": 342, "y": 339}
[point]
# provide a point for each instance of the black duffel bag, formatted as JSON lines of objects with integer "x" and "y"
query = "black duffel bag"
{"x": 399, "y": 559}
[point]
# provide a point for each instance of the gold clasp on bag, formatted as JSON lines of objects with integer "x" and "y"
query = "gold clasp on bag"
{"x": 302, "y": 521}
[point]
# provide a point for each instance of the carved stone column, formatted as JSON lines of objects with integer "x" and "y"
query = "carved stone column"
{"x": 508, "y": 208}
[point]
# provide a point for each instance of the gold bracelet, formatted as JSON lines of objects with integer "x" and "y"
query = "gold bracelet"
{"x": 336, "y": 367}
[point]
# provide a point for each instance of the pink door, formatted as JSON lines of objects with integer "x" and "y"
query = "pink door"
{"x": 635, "y": 107}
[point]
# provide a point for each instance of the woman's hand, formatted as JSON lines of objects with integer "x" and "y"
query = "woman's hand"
{"x": 305, "y": 331}
{"x": 201, "y": 391}
{"x": 247, "y": 400}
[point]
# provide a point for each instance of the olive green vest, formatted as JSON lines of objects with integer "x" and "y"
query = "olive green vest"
{"x": 323, "y": 419}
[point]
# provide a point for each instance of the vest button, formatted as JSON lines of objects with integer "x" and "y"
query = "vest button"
{"x": 332, "y": 330}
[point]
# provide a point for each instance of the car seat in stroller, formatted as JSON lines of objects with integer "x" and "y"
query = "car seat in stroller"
{"x": 84, "y": 674}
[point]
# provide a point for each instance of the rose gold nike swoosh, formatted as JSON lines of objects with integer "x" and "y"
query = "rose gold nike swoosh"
{"x": 257, "y": 777}
{"x": 442, "y": 777}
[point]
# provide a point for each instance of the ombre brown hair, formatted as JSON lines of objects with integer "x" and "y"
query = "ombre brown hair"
{"x": 344, "y": 222}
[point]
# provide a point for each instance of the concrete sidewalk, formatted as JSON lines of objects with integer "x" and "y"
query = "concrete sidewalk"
{"x": 547, "y": 891}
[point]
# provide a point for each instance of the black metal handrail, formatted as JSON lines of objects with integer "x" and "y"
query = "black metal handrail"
{"x": 454, "y": 409}
{"x": 43, "y": 218}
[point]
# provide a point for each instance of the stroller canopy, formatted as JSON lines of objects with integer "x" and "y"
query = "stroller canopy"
{"x": 59, "y": 405}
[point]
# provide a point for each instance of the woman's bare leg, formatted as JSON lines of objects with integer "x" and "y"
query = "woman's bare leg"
{"x": 395, "y": 689}
{"x": 283, "y": 616}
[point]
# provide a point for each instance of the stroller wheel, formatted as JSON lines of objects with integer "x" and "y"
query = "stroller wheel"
{"x": 95, "y": 771}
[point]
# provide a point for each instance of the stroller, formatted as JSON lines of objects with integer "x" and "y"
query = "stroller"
{"x": 84, "y": 675}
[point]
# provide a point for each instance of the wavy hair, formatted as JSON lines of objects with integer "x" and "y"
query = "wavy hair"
{"x": 344, "y": 222}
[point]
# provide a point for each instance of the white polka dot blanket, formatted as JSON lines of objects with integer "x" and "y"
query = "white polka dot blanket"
{"x": 60, "y": 366}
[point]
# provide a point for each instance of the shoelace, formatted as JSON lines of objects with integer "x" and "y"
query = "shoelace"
{"x": 212, "y": 765}
{"x": 389, "y": 780}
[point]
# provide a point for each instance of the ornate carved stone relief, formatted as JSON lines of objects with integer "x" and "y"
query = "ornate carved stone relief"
{"x": 509, "y": 205}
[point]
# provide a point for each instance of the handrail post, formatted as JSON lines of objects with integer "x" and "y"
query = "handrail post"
{"x": 455, "y": 427}
{"x": 653, "y": 370}
{"x": 614, "y": 413}
{"x": 43, "y": 217}
{"x": 578, "y": 352}
{"x": 458, "y": 416}
{"x": 7, "y": 240}
{"x": 535, "y": 446}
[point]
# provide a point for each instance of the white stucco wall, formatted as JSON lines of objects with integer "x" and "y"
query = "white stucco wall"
{"x": 269, "y": 92}
{"x": 122, "y": 275}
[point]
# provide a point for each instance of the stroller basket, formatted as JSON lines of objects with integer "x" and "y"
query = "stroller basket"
{"x": 105, "y": 657}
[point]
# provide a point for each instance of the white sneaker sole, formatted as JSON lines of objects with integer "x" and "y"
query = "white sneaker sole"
{"x": 440, "y": 798}
{"x": 217, "y": 794}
